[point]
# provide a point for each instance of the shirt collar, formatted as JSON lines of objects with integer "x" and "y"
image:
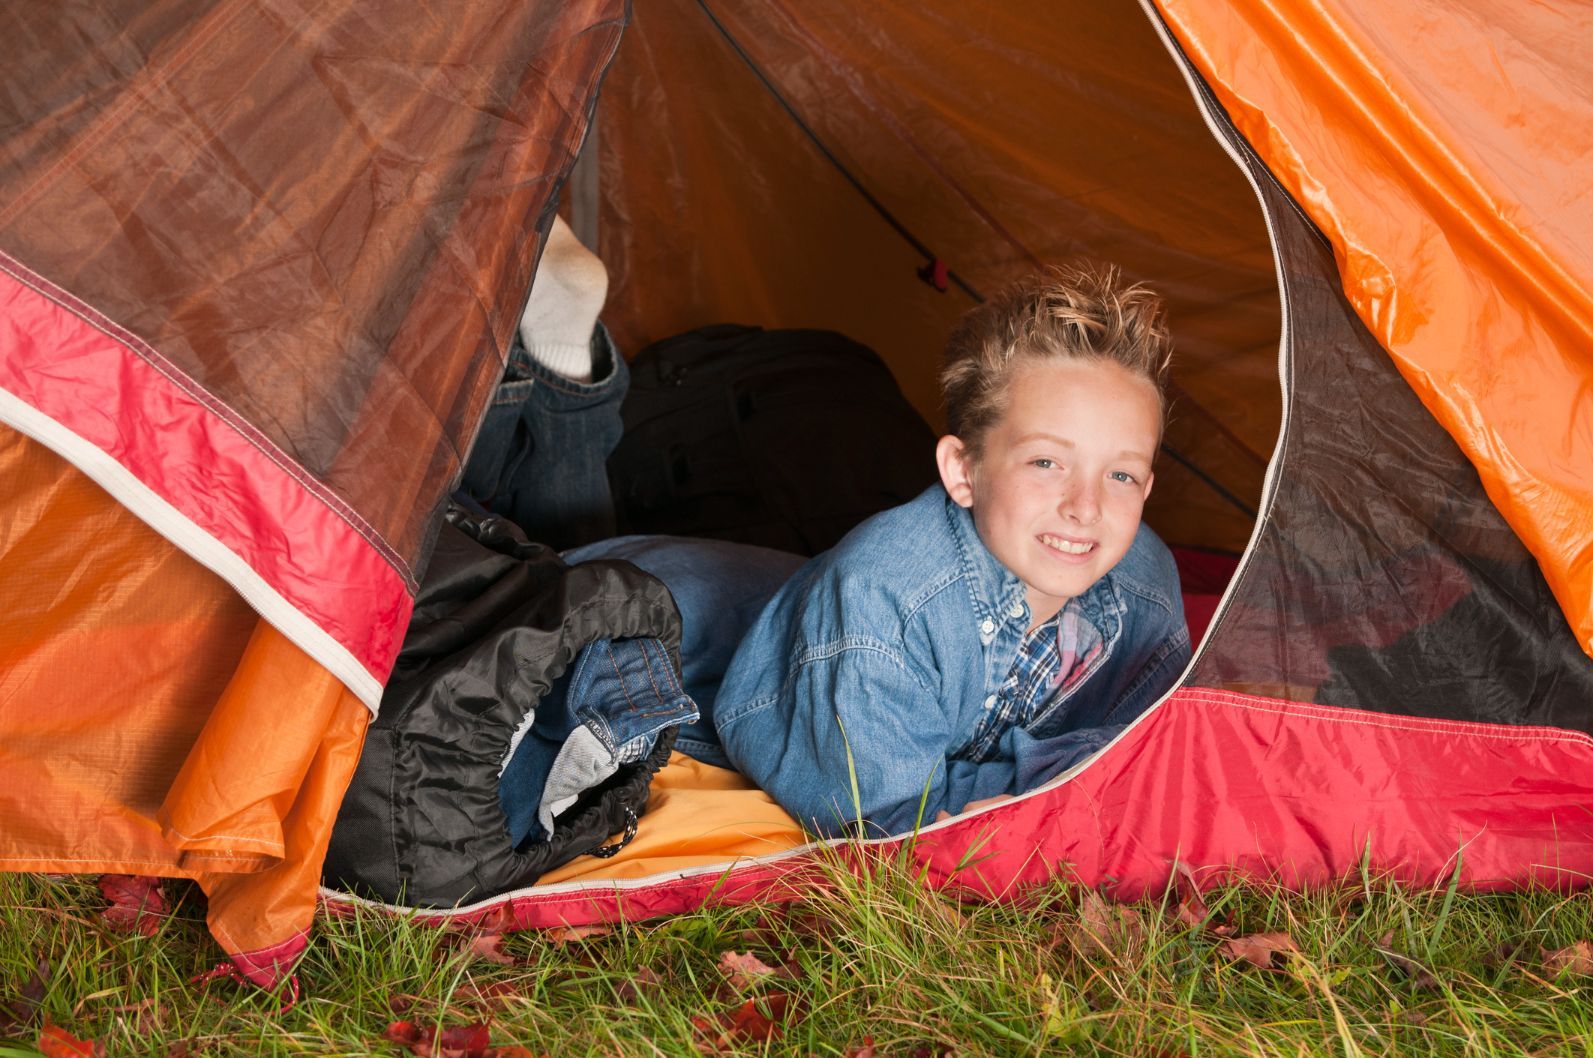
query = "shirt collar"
{"x": 994, "y": 589}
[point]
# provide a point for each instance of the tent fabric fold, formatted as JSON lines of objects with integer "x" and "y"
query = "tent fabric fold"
{"x": 1445, "y": 154}
{"x": 259, "y": 264}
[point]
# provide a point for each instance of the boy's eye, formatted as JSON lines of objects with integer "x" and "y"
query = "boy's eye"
{"x": 1043, "y": 464}
{"x": 1123, "y": 476}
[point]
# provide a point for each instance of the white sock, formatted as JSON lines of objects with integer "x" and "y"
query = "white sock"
{"x": 566, "y": 297}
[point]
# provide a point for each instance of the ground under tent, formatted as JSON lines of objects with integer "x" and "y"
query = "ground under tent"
{"x": 243, "y": 355}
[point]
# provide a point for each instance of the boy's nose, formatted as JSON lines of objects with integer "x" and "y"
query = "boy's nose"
{"x": 1082, "y": 504}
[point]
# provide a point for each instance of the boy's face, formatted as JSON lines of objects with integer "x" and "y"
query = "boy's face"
{"x": 1057, "y": 493}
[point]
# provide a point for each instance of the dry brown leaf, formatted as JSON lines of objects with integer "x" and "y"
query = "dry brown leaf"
{"x": 1115, "y": 930}
{"x": 1192, "y": 910}
{"x": 1576, "y": 959}
{"x": 745, "y": 970}
{"x": 566, "y": 934}
{"x": 1257, "y": 949}
{"x": 489, "y": 947}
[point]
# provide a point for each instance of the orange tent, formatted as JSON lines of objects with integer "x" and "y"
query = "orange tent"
{"x": 259, "y": 266}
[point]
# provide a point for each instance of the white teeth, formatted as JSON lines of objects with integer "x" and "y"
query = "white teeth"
{"x": 1066, "y": 546}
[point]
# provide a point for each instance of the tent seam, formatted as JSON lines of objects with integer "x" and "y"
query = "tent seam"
{"x": 70, "y": 303}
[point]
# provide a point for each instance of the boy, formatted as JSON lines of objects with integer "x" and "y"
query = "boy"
{"x": 985, "y": 636}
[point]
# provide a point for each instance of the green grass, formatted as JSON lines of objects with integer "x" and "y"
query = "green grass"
{"x": 875, "y": 956}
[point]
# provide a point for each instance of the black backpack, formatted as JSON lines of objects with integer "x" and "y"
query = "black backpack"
{"x": 785, "y": 438}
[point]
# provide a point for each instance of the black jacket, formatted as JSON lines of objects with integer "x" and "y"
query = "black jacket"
{"x": 496, "y": 621}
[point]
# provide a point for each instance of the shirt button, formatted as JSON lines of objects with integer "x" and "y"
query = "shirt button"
{"x": 990, "y": 702}
{"x": 987, "y": 626}
{"x": 1017, "y": 610}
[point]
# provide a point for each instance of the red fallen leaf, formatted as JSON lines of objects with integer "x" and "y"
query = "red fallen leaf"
{"x": 137, "y": 903}
{"x": 565, "y": 934}
{"x": 489, "y": 946}
{"x": 404, "y": 1032}
{"x": 1577, "y": 959}
{"x": 865, "y": 1051}
{"x": 746, "y": 970}
{"x": 464, "y": 1041}
{"x": 1257, "y": 949}
{"x": 400, "y": 1004}
{"x": 56, "y": 1042}
{"x": 512, "y": 1051}
{"x": 746, "y": 1023}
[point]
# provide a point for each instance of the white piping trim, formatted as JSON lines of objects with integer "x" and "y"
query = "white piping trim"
{"x": 198, "y": 544}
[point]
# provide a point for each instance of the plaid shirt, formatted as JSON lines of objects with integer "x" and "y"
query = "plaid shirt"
{"x": 1053, "y": 659}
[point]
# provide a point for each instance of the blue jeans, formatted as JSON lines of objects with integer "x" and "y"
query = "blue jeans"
{"x": 720, "y": 588}
{"x": 540, "y": 458}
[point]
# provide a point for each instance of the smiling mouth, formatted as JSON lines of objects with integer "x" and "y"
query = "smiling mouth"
{"x": 1066, "y": 546}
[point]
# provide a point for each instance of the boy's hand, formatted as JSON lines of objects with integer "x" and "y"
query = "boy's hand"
{"x": 983, "y": 802}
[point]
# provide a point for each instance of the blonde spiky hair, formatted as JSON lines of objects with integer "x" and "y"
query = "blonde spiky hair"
{"x": 1076, "y": 312}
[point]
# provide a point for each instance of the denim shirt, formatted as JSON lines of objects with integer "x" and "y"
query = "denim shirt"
{"x": 867, "y": 683}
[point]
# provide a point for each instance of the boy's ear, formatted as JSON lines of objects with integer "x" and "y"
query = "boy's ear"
{"x": 956, "y": 469}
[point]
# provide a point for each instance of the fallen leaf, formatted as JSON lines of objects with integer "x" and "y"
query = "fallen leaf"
{"x": 746, "y": 1023}
{"x": 29, "y": 999}
{"x": 865, "y": 1051}
{"x": 464, "y": 1041}
{"x": 1192, "y": 910}
{"x": 180, "y": 1049}
{"x": 489, "y": 947}
{"x": 137, "y": 903}
{"x": 1408, "y": 968}
{"x": 1577, "y": 959}
{"x": 400, "y": 1004}
{"x": 1257, "y": 949}
{"x": 404, "y": 1032}
{"x": 512, "y": 1051}
{"x": 56, "y": 1042}
{"x": 1115, "y": 930}
{"x": 745, "y": 970}
{"x": 566, "y": 934}
{"x": 630, "y": 990}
